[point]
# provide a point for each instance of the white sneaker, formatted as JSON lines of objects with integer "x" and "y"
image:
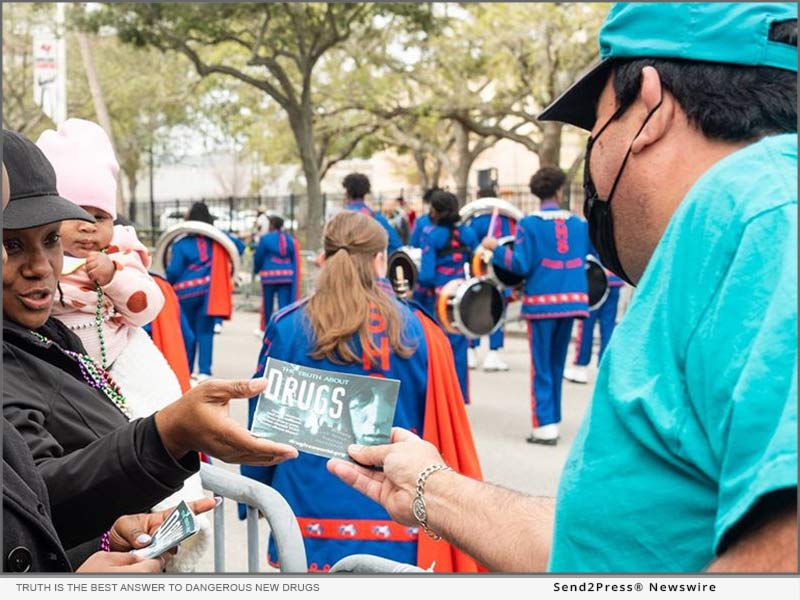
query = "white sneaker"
{"x": 472, "y": 359}
{"x": 546, "y": 434}
{"x": 201, "y": 377}
{"x": 217, "y": 327}
{"x": 493, "y": 362}
{"x": 577, "y": 374}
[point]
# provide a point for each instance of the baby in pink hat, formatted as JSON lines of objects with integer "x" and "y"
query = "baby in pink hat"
{"x": 103, "y": 264}
{"x": 107, "y": 293}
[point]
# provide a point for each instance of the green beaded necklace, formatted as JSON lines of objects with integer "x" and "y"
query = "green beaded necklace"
{"x": 98, "y": 321}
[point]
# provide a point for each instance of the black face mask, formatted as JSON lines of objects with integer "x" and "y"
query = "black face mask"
{"x": 598, "y": 211}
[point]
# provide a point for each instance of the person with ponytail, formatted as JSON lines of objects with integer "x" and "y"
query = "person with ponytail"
{"x": 351, "y": 324}
{"x": 447, "y": 247}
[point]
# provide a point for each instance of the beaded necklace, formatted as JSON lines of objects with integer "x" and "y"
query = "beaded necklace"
{"x": 94, "y": 375}
{"x": 98, "y": 322}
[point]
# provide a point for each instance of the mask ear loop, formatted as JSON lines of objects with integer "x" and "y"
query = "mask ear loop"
{"x": 628, "y": 153}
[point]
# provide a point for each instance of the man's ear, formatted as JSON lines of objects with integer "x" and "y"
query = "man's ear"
{"x": 651, "y": 93}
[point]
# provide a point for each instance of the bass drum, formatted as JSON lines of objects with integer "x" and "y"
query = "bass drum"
{"x": 597, "y": 281}
{"x": 161, "y": 254}
{"x": 482, "y": 267}
{"x": 403, "y": 269}
{"x": 472, "y": 307}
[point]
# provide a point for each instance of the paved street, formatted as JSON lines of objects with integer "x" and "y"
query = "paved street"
{"x": 500, "y": 417}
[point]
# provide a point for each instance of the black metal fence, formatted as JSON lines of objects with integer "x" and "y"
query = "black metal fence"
{"x": 238, "y": 214}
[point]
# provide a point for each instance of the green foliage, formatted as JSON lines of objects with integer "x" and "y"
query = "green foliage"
{"x": 145, "y": 103}
{"x": 20, "y": 112}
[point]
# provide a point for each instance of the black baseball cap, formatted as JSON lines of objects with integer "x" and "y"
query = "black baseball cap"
{"x": 34, "y": 199}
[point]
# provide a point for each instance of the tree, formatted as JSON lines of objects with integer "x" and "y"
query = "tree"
{"x": 531, "y": 52}
{"x": 144, "y": 104}
{"x": 20, "y": 112}
{"x": 276, "y": 48}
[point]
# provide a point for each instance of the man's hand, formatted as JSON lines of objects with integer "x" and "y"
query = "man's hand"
{"x": 200, "y": 420}
{"x": 136, "y": 531}
{"x": 100, "y": 268}
{"x": 120, "y": 562}
{"x": 489, "y": 242}
{"x": 402, "y": 461}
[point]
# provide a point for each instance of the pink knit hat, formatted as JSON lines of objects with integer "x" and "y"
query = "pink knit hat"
{"x": 85, "y": 165}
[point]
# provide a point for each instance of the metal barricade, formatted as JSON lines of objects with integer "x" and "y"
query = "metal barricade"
{"x": 366, "y": 563}
{"x": 258, "y": 498}
{"x": 283, "y": 523}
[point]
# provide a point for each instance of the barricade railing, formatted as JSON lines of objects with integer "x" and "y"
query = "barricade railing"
{"x": 258, "y": 498}
{"x": 366, "y": 563}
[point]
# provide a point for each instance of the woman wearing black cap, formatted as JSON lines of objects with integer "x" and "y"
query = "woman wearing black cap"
{"x": 96, "y": 464}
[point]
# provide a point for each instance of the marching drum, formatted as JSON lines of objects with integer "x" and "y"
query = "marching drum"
{"x": 597, "y": 280}
{"x": 482, "y": 266}
{"x": 487, "y": 206}
{"x": 403, "y": 269}
{"x": 161, "y": 255}
{"x": 472, "y": 307}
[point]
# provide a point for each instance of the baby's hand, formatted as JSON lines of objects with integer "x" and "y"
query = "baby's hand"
{"x": 100, "y": 268}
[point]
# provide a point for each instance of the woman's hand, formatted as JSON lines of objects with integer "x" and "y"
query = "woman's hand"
{"x": 135, "y": 531}
{"x": 120, "y": 562}
{"x": 200, "y": 421}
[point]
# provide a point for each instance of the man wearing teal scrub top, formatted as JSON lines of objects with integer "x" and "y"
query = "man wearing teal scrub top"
{"x": 687, "y": 458}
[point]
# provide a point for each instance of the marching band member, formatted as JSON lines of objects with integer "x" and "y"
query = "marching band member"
{"x": 200, "y": 272}
{"x": 447, "y": 248}
{"x": 356, "y": 188}
{"x": 350, "y": 324}
{"x": 550, "y": 250}
{"x": 606, "y": 315}
{"x": 423, "y": 222}
{"x": 501, "y": 226}
{"x": 277, "y": 264}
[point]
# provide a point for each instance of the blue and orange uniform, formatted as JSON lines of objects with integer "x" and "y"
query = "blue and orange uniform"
{"x": 445, "y": 252}
{"x": 359, "y": 207}
{"x": 240, "y": 248}
{"x": 335, "y": 520}
{"x": 549, "y": 251}
{"x": 503, "y": 227}
{"x": 421, "y": 228}
{"x": 606, "y": 315}
{"x": 276, "y": 263}
{"x": 200, "y": 273}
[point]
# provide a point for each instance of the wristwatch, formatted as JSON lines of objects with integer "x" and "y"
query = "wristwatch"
{"x": 418, "y": 508}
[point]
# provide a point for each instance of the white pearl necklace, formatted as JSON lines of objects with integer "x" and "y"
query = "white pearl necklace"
{"x": 91, "y": 325}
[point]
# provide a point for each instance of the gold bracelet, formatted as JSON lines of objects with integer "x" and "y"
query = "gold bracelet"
{"x": 418, "y": 508}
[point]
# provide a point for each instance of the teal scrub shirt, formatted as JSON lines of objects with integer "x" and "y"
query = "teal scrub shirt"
{"x": 694, "y": 415}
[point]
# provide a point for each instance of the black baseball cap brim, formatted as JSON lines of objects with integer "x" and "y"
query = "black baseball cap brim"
{"x": 578, "y": 104}
{"x": 25, "y": 213}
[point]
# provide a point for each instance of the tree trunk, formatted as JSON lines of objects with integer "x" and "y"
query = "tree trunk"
{"x": 132, "y": 185}
{"x": 437, "y": 173}
{"x": 550, "y": 149}
{"x": 422, "y": 170}
{"x": 465, "y": 158}
{"x": 303, "y": 131}
{"x": 100, "y": 108}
